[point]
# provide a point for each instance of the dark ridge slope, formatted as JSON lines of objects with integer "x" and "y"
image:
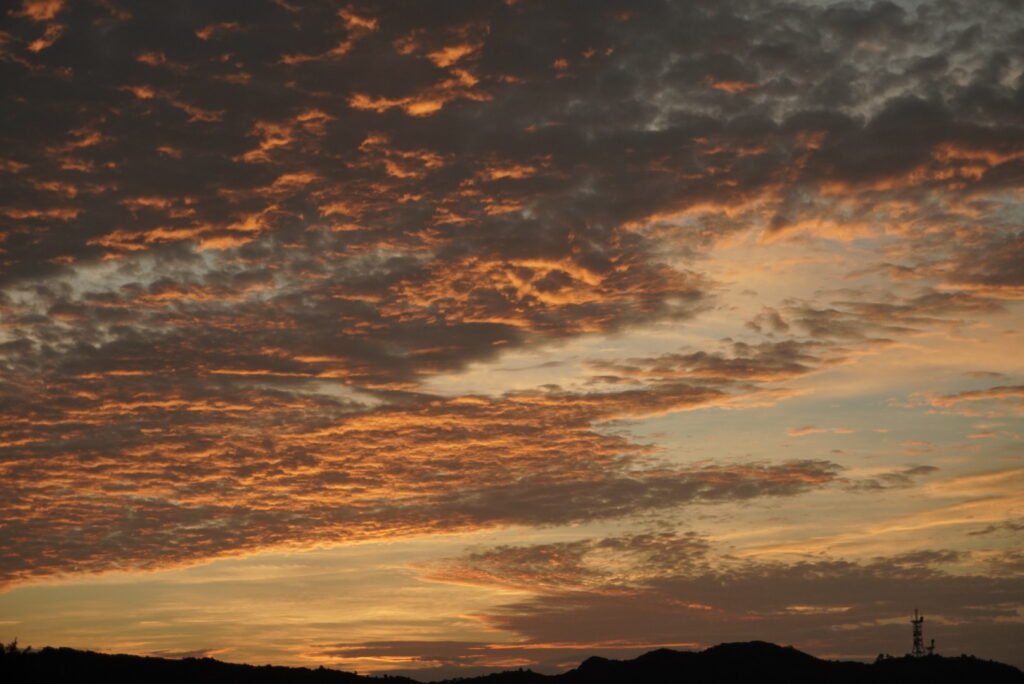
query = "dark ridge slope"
{"x": 759, "y": 662}
{"x": 70, "y": 666}
{"x": 755, "y": 662}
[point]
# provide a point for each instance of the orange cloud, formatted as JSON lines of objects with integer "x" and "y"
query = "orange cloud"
{"x": 63, "y": 214}
{"x": 357, "y": 22}
{"x": 198, "y": 113}
{"x": 211, "y": 30}
{"x": 811, "y": 430}
{"x": 729, "y": 86}
{"x": 426, "y": 102}
{"x": 50, "y": 36}
{"x": 435, "y": 466}
{"x": 1010, "y": 394}
{"x": 41, "y": 10}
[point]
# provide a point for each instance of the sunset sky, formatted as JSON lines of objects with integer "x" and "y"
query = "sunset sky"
{"x": 436, "y": 337}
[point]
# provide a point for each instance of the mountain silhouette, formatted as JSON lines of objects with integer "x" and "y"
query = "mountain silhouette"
{"x": 760, "y": 662}
{"x": 755, "y": 662}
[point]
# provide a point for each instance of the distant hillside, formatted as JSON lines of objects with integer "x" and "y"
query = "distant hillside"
{"x": 758, "y": 662}
{"x": 70, "y": 666}
{"x": 755, "y": 662}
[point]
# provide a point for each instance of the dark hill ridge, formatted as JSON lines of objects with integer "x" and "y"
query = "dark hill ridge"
{"x": 755, "y": 662}
{"x": 759, "y": 662}
{"x": 70, "y": 666}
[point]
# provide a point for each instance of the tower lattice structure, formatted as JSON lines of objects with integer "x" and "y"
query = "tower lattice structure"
{"x": 917, "y": 622}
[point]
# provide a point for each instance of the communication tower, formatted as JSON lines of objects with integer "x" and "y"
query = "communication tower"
{"x": 918, "y": 638}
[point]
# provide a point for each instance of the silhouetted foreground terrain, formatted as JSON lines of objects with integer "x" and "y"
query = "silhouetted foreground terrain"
{"x": 754, "y": 662}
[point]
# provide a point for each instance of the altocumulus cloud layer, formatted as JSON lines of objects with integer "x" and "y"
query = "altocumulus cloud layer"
{"x": 239, "y": 240}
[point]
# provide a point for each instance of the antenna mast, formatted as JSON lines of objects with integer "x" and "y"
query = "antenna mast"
{"x": 918, "y": 639}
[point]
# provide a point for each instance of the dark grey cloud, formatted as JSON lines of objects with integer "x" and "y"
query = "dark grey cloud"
{"x": 895, "y": 479}
{"x": 838, "y": 607}
{"x": 563, "y": 566}
{"x": 870, "y": 322}
{"x": 542, "y": 501}
{"x": 1005, "y": 527}
{"x": 194, "y": 653}
{"x": 652, "y": 95}
{"x": 162, "y": 133}
{"x": 762, "y": 362}
{"x": 163, "y": 478}
{"x": 672, "y": 589}
{"x": 229, "y": 232}
{"x": 621, "y": 596}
